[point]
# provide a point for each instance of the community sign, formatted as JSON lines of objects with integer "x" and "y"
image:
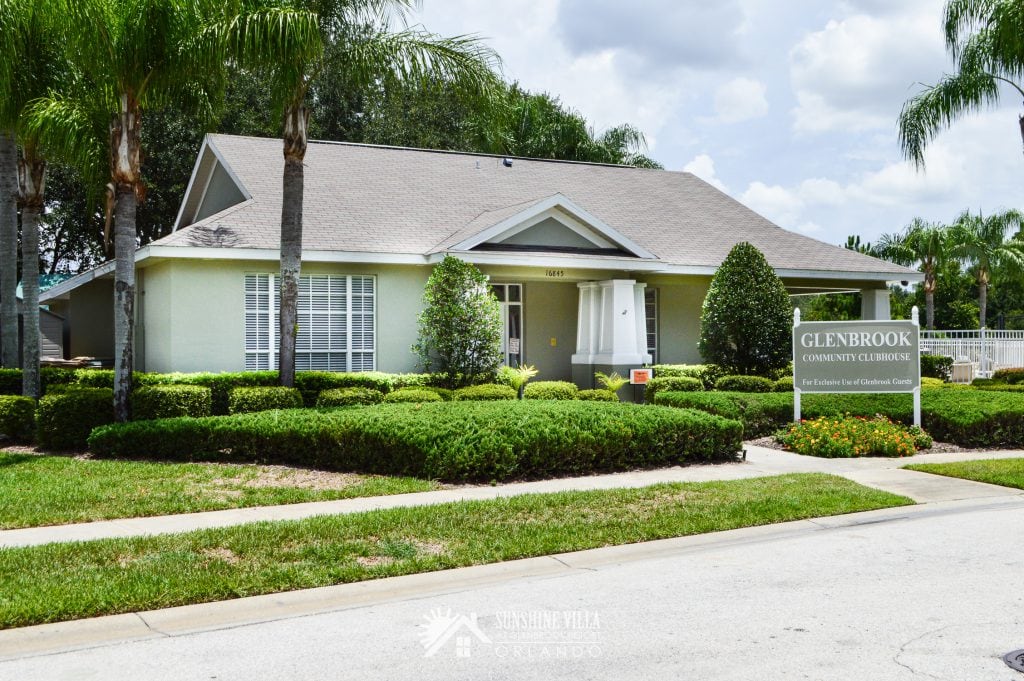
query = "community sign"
{"x": 856, "y": 357}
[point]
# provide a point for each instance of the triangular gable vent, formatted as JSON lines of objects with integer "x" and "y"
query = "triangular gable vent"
{"x": 554, "y": 224}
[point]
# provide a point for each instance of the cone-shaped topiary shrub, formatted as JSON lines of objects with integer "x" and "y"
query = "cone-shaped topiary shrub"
{"x": 746, "y": 321}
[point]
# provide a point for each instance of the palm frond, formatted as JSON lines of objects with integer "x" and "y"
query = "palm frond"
{"x": 935, "y": 108}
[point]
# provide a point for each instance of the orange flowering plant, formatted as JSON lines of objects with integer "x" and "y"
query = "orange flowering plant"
{"x": 848, "y": 436}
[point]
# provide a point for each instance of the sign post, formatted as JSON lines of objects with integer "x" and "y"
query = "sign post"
{"x": 857, "y": 357}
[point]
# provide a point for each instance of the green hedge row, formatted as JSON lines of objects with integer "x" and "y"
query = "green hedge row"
{"x": 452, "y": 441}
{"x": 64, "y": 420}
{"x": 309, "y": 383}
{"x": 969, "y": 418}
{"x": 245, "y": 400}
{"x": 169, "y": 401}
{"x": 17, "y": 418}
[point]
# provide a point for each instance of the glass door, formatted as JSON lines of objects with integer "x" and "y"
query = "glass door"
{"x": 511, "y": 298}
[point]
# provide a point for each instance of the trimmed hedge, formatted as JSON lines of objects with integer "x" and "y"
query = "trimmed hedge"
{"x": 460, "y": 441}
{"x": 169, "y": 401}
{"x": 597, "y": 395}
{"x": 1011, "y": 376}
{"x": 705, "y": 373}
{"x": 485, "y": 392}
{"x": 17, "y": 418}
{"x": 347, "y": 397}
{"x": 64, "y": 420}
{"x": 675, "y": 383}
{"x": 784, "y": 385}
{"x": 244, "y": 400}
{"x": 550, "y": 390}
{"x": 936, "y": 366}
{"x": 416, "y": 395}
{"x": 969, "y": 418}
{"x": 1000, "y": 387}
{"x": 10, "y": 381}
{"x": 745, "y": 384}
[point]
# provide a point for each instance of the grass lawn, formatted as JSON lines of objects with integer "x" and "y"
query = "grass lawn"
{"x": 68, "y": 581}
{"x": 1005, "y": 472}
{"x": 54, "y": 490}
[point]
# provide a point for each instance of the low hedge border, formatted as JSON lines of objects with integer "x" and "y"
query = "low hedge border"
{"x": 348, "y": 397}
{"x": 487, "y": 392}
{"x": 245, "y": 400}
{"x": 968, "y": 418}
{"x": 550, "y": 390}
{"x": 168, "y": 401}
{"x": 17, "y": 418}
{"x": 455, "y": 442}
{"x": 64, "y": 420}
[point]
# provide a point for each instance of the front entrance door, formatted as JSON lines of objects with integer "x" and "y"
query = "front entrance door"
{"x": 511, "y": 298}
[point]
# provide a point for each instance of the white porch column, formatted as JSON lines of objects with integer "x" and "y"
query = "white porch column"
{"x": 611, "y": 329}
{"x": 874, "y": 304}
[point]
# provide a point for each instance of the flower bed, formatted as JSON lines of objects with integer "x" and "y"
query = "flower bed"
{"x": 850, "y": 436}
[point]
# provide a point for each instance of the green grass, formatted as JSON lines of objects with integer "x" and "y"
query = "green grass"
{"x": 59, "y": 582}
{"x": 54, "y": 490}
{"x": 1005, "y": 472}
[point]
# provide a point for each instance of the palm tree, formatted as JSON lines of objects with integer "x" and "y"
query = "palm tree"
{"x": 34, "y": 67}
{"x": 924, "y": 244}
{"x": 11, "y": 24}
{"x": 981, "y": 243}
{"x": 986, "y": 41}
{"x": 128, "y": 56}
{"x": 293, "y": 62}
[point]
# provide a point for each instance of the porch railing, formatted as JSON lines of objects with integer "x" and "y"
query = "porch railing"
{"x": 987, "y": 350}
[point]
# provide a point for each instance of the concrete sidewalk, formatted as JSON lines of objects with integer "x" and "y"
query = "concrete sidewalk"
{"x": 879, "y": 473}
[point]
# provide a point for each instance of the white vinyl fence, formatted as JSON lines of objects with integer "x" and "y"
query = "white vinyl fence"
{"x": 986, "y": 350}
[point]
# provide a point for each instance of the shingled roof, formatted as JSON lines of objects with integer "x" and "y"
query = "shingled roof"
{"x": 388, "y": 200}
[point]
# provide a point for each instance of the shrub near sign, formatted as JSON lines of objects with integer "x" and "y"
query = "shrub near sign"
{"x": 856, "y": 357}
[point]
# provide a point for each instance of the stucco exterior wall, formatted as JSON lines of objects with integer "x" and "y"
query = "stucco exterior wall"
{"x": 195, "y": 312}
{"x": 549, "y": 312}
{"x": 91, "y": 315}
{"x": 679, "y": 304}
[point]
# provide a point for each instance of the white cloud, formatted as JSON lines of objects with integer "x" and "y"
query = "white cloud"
{"x": 819, "y": 190}
{"x": 741, "y": 99}
{"x": 776, "y": 203}
{"x": 855, "y": 73}
{"x": 703, "y": 166}
{"x": 661, "y": 34}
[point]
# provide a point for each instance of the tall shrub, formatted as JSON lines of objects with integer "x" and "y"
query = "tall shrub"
{"x": 460, "y": 325}
{"x": 746, "y": 318}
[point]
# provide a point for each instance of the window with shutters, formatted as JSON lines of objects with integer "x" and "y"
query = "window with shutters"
{"x": 336, "y": 318}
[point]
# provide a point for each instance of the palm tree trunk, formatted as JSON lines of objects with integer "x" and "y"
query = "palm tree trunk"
{"x": 124, "y": 298}
{"x": 8, "y": 251}
{"x": 982, "y": 302}
{"x": 125, "y": 163}
{"x": 929, "y": 309}
{"x": 32, "y": 179}
{"x": 296, "y": 119}
{"x": 929, "y": 297}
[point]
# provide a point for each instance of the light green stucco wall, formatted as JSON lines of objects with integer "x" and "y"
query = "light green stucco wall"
{"x": 549, "y": 232}
{"x": 195, "y": 313}
{"x": 679, "y": 303}
{"x": 91, "y": 316}
{"x": 549, "y": 311}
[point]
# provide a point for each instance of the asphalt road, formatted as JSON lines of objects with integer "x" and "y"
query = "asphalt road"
{"x": 937, "y": 595}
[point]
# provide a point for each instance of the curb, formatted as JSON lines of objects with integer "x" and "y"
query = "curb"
{"x": 49, "y": 639}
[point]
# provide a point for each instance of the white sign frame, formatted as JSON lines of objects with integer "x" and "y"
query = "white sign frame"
{"x": 916, "y": 391}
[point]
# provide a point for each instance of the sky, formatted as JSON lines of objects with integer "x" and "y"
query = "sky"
{"x": 789, "y": 106}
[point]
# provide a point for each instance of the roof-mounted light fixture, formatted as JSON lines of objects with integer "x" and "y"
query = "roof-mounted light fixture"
{"x": 507, "y": 162}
